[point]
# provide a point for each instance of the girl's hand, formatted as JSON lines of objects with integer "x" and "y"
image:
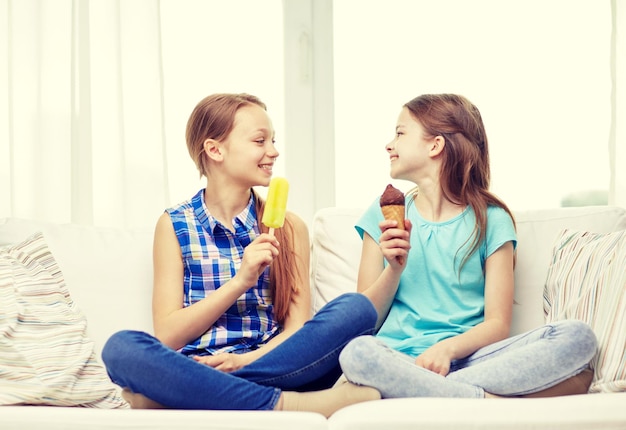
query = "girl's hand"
{"x": 257, "y": 256}
{"x": 437, "y": 358}
{"x": 226, "y": 362}
{"x": 394, "y": 242}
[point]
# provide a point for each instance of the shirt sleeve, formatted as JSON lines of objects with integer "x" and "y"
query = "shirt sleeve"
{"x": 500, "y": 229}
{"x": 368, "y": 223}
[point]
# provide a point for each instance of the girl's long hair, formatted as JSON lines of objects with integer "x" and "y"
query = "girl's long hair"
{"x": 465, "y": 171}
{"x": 283, "y": 282}
{"x": 213, "y": 118}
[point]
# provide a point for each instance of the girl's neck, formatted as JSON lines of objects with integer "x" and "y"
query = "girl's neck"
{"x": 432, "y": 205}
{"x": 225, "y": 201}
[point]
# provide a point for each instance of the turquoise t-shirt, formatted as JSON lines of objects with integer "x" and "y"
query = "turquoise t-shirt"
{"x": 433, "y": 302}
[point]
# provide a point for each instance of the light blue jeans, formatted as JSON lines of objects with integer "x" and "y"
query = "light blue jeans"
{"x": 307, "y": 360}
{"x": 521, "y": 364}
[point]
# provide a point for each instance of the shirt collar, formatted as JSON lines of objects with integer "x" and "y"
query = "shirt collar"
{"x": 245, "y": 220}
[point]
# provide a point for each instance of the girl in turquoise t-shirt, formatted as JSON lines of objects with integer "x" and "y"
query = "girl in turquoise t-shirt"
{"x": 443, "y": 286}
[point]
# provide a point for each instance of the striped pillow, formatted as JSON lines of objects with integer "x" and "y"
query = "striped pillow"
{"x": 46, "y": 357}
{"x": 587, "y": 281}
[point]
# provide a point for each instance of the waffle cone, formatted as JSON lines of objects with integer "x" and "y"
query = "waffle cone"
{"x": 395, "y": 212}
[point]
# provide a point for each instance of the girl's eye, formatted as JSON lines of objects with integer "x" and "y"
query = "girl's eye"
{"x": 260, "y": 141}
{"x": 399, "y": 133}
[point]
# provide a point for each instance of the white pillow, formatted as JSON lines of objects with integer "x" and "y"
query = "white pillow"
{"x": 335, "y": 254}
{"x": 46, "y": 357}
{"x": 587, "y": 281}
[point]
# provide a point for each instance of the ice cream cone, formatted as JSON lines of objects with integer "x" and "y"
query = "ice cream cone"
{"x": 395, "y": 212}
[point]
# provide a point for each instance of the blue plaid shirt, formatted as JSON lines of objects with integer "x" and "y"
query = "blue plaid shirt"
{"x": 212, "y": 254}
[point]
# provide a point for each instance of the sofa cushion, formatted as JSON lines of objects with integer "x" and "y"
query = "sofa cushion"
{"x": 587, "y": 281}
{"x": 45, "y": 356}
{"x": 536, "y": 233}
{"x": 581, "y": 412}
{"x": 336, "y": 251}
{"x": 107, "y": 270}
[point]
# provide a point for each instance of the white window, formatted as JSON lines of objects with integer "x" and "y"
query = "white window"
{"x": 539, "y": 72}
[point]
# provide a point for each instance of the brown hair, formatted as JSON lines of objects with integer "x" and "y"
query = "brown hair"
{"x": 283, "y": 282}
{"x": 213, "y": 118}
{"x": 465, "y": 172}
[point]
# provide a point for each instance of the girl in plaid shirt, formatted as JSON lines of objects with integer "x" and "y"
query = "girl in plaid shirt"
{"x": 231, "y": 303}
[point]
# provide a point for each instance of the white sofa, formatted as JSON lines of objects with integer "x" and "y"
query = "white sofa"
{"x": 109, "y": 276}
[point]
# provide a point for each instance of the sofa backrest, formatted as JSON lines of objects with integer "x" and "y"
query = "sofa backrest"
{"x": 108, "y": 271}
{"x": 336, "y": 250}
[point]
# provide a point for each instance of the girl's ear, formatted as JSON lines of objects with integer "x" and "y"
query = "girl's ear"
{"x": 213, "y": 149}
{"x": 437, "y": 145}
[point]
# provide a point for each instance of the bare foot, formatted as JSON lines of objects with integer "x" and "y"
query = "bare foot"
{"x": 342, "y": 380}
{"x": 327, "y": 402}
{"x": 577, "y": 384}
{"x": 139, "y": 401}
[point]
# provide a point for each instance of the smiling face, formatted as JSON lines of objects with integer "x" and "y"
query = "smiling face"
{"x": 410, "y": 150}
{"x": 248, "y": 151}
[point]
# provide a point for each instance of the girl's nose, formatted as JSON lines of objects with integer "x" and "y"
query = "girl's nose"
{"x": 273, "y": 152}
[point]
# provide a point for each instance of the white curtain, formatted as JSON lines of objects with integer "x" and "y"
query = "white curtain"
{"x": 94, "y": 96}
{"x": 617, "y": 143}
{"x": 98, "y": 93}
{"x": 543, "y": 86}
{"x": 73, "y": 147}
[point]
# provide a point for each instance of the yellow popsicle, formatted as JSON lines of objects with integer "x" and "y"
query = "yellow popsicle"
{"x": 276, "y": 204}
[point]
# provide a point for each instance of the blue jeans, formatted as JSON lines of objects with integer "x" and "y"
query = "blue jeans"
{"x": 519, "y": 365}
{"x": 306, "y": 360}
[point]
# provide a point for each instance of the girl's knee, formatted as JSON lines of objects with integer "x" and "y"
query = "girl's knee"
{"x": 355, "y": 354}
{"x": 582, "y": 337}
{"x": 120, "y": 344}
{"x": 587, "y": 337}
{"x": 361, "y": 353}
{"x": 357, "y": 304}
{"x": 359, "y": 346}
{"x": 350, "y": 299}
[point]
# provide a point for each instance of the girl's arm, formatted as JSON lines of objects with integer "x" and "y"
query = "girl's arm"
{"x": 175, "y": 325}
{"x": 299, "y": 308}
{"x": 377, "y": 282}
{"x": 499, "y": 287}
